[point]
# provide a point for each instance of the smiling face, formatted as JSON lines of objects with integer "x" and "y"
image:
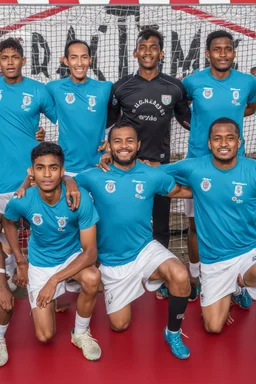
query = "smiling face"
{"x": 48, "y": 172}
{"x": 148, "y": 53}
{"x": 124, "y": 146}
{"x": 221, "y": 54}
{"x": 11, "y": 63}
{"x": 78, "y": 61}
{"x": 224, "y": 142}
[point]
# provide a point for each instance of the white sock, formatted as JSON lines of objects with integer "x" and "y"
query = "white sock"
{"x": 81, "y": 324}
{"x": 194, "y": 269}
{"x": 237, "y": 291}
{"x": 3, "y": 329}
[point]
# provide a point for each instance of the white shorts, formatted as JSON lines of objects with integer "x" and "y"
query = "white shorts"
{"x": 71, "y": 174}
{"x": 219, "y": 279}
{"x": 189, "y": 207}
{"x": 4, "y": 200}
{"x": 123, "y": 284}
{"x": 38, "y": 277}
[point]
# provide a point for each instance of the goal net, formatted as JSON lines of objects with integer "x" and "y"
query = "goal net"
{"x": 111, "y": 32}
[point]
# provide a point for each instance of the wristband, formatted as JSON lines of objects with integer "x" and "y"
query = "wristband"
{"x": 2, "y": 270}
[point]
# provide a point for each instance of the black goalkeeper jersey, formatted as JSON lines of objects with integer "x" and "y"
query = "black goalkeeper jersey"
{"x": 149, "y": 107}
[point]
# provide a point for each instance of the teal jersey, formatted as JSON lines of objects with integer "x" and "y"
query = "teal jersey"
{"x": 124, "y": 201}
{"x": 212, "y": 99}
{"x": 224, "y": 203}
{"x": 82, "y": 116}
{"x": 20, "y": 108}
{"x": 55, "y": 229}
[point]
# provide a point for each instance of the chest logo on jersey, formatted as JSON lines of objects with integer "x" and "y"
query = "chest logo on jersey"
{"x": 70, "y": 98}
{"x": 110, "y": 186}
{"x": 235, "y": 95}
{"x": 91, "y": 102}
{"x": 37, "y": 219}
{"x": 206, "y": 184}
{"x": 62, "y": 222}
{"x": 208, "y": 93}
{"x": 139, "y": 188}
{"x": 238, "y": 190}
{"x": 26, "y": 101}
{"x": 1, "y": 94}
{"x": 166, "y": 99}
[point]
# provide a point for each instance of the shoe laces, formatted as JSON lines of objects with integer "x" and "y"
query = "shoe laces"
{"x": 87, "y": 338}
{"x": 183, "y": 334}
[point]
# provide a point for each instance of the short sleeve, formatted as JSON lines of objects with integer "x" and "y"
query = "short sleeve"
{"x": 188, "y": 85}
{"x": 181, "y": 170}
{"x": 252, "y": 94}
{"x": 12, "y": 210}
{"x": 164, "y": 182}
{"x": 82, "y": 180}
{"x": 87, "y": 214}
{"x": 48, "y": 105}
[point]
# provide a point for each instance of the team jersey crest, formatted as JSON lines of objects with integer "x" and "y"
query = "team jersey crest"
{"x": 238, "y": 190}
{"x": 110, "y": 186}
{"x": 206, "y": 184}
{"x": 139, "y": 188}
{"x": 236, "y": 95}
{"x": 70, "y": 98}
{"x": 27, "y": 100}
{"x": 207, "y": 93}
{"x": 166, "y": 99}
{"x": 37, "y": 219}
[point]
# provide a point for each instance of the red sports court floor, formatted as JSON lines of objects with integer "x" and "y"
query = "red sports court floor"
{"x": 138, "y": 355}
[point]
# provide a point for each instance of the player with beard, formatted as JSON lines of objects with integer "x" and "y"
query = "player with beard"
{"x": 129, "y": 256}
{"x": 148, "y": 100}
{"x": 215, "y": 92}
{"x": 224, "y": 190}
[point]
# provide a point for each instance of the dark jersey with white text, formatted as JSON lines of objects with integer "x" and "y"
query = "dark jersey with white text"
{"x": 149, "y": 106}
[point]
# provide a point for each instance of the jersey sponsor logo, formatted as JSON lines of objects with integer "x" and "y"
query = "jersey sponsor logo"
{"x": 91, "y": 102}
{"x": 208, "y": 93}
{"x": 62, "y": 222}
{"x": 26, "y": 101}
{"x": 110, "y": 186}
{"x": 206, "y": 184}
{"x": 236, "y": 200}
{"x": 236, "y": 95}
{"x": 254, "y": 258}
{"x": 139, "y": 188}
{"x": 37, "y": 219}
{"x": 157, "y": 105}
{"x": 70, "y": 98}
{"x": 166, "y": 99}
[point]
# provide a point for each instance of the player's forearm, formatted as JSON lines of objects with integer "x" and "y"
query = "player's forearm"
{"x": 84, "y": 259}
{"x": 180, "y": 192}
{"x": 11, "y": 234}
{"x": 249, "y": 111}
{"x": 26, "y": 183}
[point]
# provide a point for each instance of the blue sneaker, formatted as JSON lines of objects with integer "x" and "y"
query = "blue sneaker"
{"x": 175, "y": 342}
{"x": 244, "y": 300}
{"x": 162, "y": 292}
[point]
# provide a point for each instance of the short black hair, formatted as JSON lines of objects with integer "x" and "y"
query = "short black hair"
{"x": 147, "y": 32}
{"x": 224, "y": 120}
{"x": 47, "y": 148}
{"x": 12, "y": 43}
{"x": 217, "y": 35}
{"x": 76, "y": 41}
{"x": 120, "y": 126}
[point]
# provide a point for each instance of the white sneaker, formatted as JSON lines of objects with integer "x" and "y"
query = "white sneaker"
{"x": 85, "y": 341}
{"x": 3, "y": 353}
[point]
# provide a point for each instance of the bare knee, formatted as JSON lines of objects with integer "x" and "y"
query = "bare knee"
{"x": 45, "y": 335}
{"x": 180, "y": 278}
{"x": 90, "y": 280}
{"x": 119, "y": 326}
{"x": 213, "y": 326}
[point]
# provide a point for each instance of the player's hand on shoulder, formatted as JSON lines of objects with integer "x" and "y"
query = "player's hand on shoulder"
{"x": 105, "y": 160}
{"x": 103, "y": 146}
{"x": 20, "y": 192}
{"x": 73, "y": 195}
{"x": 40, "y": 134}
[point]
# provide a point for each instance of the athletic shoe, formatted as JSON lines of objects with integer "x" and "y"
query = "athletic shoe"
{"x": 162, "y": 292}
{"x": 3, "y": 353}
{"x": 195, "y": 290}
{"x": 175, "y": 342}
{"x": 244, "y": 300}
{"x": 85, "y": 341}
